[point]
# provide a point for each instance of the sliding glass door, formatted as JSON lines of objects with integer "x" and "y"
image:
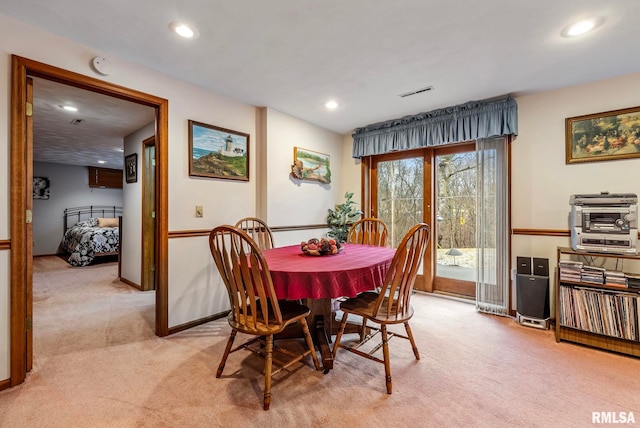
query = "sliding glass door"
{"x": 404, "y": 188}
{"x": 400, "y": 188}
{"x": 455, "y": 220}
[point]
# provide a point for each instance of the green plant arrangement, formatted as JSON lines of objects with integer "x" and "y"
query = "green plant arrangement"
{"x": 340, "y": 219}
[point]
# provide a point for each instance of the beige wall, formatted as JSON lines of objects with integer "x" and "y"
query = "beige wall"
{"x": 541, "y": 180}
{"x": 293, "y": 201}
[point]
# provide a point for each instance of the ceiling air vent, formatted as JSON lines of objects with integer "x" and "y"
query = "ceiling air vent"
{"x": 418, "y": 91}
{"x": 76, "y": 121}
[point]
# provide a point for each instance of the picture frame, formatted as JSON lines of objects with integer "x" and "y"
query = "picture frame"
{"x": 41, "y": 187}
{"x": 131, "y": 168}
{"x": 216, "y": 152}
{"x": 311, "y": 165}
{"x": 610, "y": 135}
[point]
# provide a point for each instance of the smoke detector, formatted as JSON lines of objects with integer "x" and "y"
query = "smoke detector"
{"x": 101, "y": 65}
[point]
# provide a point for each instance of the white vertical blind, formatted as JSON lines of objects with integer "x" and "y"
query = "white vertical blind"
{"x": 492, "y": 234}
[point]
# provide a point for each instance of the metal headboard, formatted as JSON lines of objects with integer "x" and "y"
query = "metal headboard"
{"x": 86, "y": 212}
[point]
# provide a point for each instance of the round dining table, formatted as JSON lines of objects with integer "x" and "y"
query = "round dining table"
{"x": 355, "y": 269}
{"x": 319, "y": 279}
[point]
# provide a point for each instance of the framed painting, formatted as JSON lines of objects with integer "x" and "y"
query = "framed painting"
{"x": 310, "y": 165}
{"x": 216, "y": 152}
{"x": 131, "y": 168}
{"x": 40, "y": 188}
{"x": 603, "y": 136}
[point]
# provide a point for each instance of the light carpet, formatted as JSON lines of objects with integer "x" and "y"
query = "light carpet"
{"x": 97, "y": 363}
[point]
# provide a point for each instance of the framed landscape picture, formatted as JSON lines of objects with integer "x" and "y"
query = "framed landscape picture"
{"x": 310, "y": 165}
{"x": 216, "y": 152}
{"x": 603, "y": 136}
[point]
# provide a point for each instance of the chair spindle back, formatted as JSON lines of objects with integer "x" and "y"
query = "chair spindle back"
{"x": 397, "y": 288}
{"x": 368, "y": 231}
{"x": 247, "y": 278}
{"x": 258, "y": 230}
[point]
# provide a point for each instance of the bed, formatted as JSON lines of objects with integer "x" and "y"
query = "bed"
{"x": 91, "y": 231}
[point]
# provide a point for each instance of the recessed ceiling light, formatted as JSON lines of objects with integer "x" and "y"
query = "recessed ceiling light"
{"x": 101, "y": 161}
{"x": 581, "y": 27}
{"x": 70, "y": 108}
{"x": 331, "y": 105}
{"x": 184, "y": 30}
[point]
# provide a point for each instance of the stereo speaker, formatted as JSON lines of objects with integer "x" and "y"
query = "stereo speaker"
{"x": 524, "y": 265}
{"x": 540, "y": 266}
{"x": 533, "y": 296}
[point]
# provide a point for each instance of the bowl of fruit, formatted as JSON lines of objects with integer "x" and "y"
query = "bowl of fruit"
{"x": 320, "y": 247}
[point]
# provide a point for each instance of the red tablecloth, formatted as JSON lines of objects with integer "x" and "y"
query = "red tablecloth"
{"x": 355, "y": 269}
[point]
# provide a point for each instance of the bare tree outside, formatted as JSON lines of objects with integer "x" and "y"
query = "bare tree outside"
{"x": 456, "y": 200}
{"x": 400, "y": 195}
{"x": 455, "y": 189}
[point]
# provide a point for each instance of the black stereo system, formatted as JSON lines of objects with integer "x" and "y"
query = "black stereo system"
{"x": 532, "y": 289}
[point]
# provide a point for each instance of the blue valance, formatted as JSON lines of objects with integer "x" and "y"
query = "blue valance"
{"x": 465, "y": 122}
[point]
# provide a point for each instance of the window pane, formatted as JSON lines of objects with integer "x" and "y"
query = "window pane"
{"x": 456, "y": 216}
{"x": 400, "y": 195}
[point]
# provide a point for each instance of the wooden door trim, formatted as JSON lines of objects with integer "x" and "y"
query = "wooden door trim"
{"x": 28, "y": 200}
{"x": 18, "y": 226}
{"x": 20, "y": 68}
{"x": 149, "y": 142}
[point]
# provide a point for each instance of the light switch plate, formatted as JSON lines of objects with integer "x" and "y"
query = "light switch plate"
{"x": 199, "y": 211}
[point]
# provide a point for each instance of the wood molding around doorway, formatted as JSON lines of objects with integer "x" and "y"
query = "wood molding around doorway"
{"x": 21, "y": 68}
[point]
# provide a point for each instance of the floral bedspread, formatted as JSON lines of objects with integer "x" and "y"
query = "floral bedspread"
{"x": 85, "y": 240}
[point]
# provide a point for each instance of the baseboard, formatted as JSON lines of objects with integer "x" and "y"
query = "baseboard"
{"x": 5, "y": 384}
{"x": 197, "y": 322}
{"x": 131, "y": 283}
{"x": 453, "y": 296}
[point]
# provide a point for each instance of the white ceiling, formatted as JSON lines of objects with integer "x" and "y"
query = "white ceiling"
{"x": 293, "y": 55}
{"x": 94, "y": 133}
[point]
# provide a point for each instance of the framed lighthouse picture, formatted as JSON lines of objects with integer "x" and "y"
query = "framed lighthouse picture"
{"x": 216, "y": 152}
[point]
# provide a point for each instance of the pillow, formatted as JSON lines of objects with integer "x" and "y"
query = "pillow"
{"x": 92, "y": 222}
{"x": 107, "y": 222}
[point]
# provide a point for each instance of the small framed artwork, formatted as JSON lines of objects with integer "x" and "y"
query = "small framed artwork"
{"x": 603, "y": 136}
{"x": 310, "y": 165}
{"x": 216, "y": 152}
{"x": 40, "y": 188}
{"x": 131, "y": 168}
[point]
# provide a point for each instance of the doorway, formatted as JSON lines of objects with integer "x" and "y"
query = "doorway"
{"x": 148, "y": 214}
{"x": 21, "y": 177}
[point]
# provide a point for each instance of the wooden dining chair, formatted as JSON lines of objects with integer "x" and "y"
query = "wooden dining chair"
{"x": 255, "y": 309}
{"x": 258, "y": 230}
{"x": 391, "y": 305}
{"x": 368, "y": 231}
